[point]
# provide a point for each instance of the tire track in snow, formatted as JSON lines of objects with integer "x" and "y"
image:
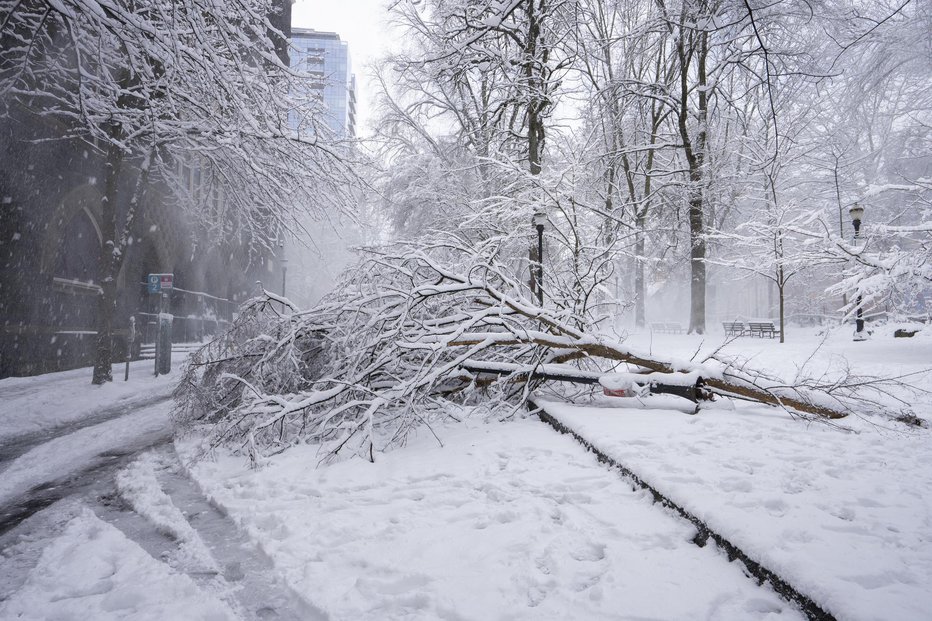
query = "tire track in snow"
{"x": 20, "y": 445}
{"x": 254, "y": 586}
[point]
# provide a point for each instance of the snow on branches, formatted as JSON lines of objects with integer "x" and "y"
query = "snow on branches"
{"x": 360, "y": 369}
{"x": 384, "y": 355}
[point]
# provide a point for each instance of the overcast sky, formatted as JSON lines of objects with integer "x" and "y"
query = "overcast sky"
{"x": 361, "y": 23}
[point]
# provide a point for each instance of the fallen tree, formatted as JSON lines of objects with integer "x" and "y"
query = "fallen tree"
{"x": 385, "y": 354}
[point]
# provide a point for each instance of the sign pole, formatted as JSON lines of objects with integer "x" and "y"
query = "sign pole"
{"x": 161, "y": 284}
{"x": 129, "y": 345}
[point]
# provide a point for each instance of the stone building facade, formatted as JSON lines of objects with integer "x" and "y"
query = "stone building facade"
{"x": 50, "y": 245}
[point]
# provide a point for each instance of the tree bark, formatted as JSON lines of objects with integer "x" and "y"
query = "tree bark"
{"x": 736, "y": 386}
{"x": 780, "y": 289}
{"x": 113, "y": 253}
{"x": 106, "y": 301}
{"x": 535, "y": 121}
{"x": 694, "y": 151}
{"x": 639, "y": 303}
{"x": 696, "y": 260}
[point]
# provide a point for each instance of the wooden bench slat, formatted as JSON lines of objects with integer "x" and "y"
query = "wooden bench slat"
{"x": 735, "y": 328}
{"x": 760, "y": 328}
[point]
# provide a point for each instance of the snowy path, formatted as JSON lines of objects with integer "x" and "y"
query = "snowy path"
{"x": 93, "y": 571}
{"x": 69, "y": 462}
{"x": 139, "y": 542}
{"x": 20, "y": 445}
{"x": 84, "y": 535}
{"x": 260, "y": 591}
{"x": 38, "y": 408}
{"x": 506, "y": 521}
{"x": 58, "y": 432}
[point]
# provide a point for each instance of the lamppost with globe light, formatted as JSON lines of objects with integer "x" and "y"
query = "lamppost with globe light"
{"x": 857, "y": 212}
{"x": 539, "y": 220}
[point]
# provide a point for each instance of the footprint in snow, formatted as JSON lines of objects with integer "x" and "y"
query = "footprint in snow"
{"x": 776, "y": 507}
{"x": 589, "y": 551}
{"x": 735, "y": 485}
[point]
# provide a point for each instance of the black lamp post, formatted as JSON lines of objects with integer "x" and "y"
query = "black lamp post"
{"x": 281, "y": 249}
{"x": 539, "y": 220}
{"x": 857, "y": 212}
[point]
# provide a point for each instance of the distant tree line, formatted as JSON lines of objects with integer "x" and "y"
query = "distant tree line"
{"x": 671, "y": 139}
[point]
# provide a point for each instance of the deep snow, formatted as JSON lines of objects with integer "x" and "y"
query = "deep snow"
{"x": 512, "y": 520}
{"x": 505, "y": 521}
{"x": 42, "y": 403}
{"x": 840, "y": 511}
{"x": 93, "y": 571}
{"x": 844, "y": 516}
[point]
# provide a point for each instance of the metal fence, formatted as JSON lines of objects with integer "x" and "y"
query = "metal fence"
{"x": 196, "y": 315}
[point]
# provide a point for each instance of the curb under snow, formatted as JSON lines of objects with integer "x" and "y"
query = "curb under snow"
{"x": 783, "y": 588}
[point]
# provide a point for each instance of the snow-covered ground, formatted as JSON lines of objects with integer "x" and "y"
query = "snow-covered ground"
{"x": 41, "y": 403}
{"x": 93, "y": 571}
{"x": 514, "y": 521}
{"x": 511, "y": 521}
{"x": 58, "y": 458}
{"x": 844, "y": 516}
{"x": 842, "y": 511}
{"x": 505, "y": 521}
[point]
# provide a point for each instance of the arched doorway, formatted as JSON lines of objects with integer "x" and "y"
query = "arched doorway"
{"x": 76, "y": 274}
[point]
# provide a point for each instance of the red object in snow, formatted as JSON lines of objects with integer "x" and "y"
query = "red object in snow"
{"x": 617, "y": 392}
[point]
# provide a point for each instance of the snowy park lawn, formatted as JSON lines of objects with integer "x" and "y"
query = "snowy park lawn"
{"x": 844, "y": 512}
{"x": 816, "y": 353}
{"x": 505, "y": 521}
{"x": 844, "y": 516}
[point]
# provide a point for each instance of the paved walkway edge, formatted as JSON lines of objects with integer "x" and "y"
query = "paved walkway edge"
{"x": 812, "y": 610}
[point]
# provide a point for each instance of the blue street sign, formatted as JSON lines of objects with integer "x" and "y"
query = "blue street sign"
{"x": 155, "y": 283}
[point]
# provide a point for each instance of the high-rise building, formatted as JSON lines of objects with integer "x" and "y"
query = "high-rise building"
{"x": 323, "y": 55}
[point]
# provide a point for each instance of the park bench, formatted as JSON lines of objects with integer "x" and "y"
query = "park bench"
{"x": 670, "y": 328}
{"x": 762, "y": 329}
{"x": 734, "y": 328}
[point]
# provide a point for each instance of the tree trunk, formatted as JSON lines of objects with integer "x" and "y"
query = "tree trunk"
{"x": 696, "y": 262}
{"x": 639, "y": 302}
{"x": 535, "y": 121}
{"x": 802, "y": 400}
{"x": 694, "y": 150}
{"x": 113, "y": 253}
{"x": 106, "y": 301}
{"x": 780, "y": 289}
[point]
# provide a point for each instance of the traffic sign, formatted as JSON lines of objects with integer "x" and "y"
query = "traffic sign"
{"x": 159, "y": 282}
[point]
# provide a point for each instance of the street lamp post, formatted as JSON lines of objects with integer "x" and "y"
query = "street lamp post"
{"x": 281, "y": 248}
{"x": 284, "y": 275}
{"x": 539, "y": 220}
{"x": 857, "y": 212}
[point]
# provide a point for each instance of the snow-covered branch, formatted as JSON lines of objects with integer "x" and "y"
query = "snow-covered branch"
{"x": 372, "y": 362}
